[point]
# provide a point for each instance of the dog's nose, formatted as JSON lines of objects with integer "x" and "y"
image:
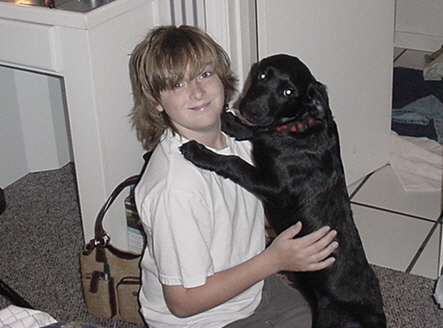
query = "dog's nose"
{"x": 251, "y": 110}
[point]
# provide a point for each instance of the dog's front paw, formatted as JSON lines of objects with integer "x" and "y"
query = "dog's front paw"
{"x": 190, "y": 148}
{"x": 235, "y": 128}
{"x": 196, "y": 153}
{"x": 229, "y": 118}
{"x": 200, "y": 156}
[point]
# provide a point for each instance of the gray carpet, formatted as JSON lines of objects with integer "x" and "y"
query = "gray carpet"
{"x": 41, "y": 237}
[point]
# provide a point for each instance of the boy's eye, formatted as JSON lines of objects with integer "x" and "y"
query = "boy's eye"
{"x": 178, "y": 85}
{"x": 206, "y": 74}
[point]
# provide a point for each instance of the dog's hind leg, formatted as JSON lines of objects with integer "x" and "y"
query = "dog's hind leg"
{"x": 334, "y": 314}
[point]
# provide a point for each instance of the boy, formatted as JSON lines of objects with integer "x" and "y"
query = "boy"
{"x": 206, "y": 264}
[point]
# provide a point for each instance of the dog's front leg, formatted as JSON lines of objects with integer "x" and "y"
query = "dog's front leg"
{"x": 230, "y": 167}
{"x": 232, "y": 125}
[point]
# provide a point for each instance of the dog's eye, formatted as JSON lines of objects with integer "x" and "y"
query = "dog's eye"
{"x": 288, "y": 92}
{"x": 261, "y": 76}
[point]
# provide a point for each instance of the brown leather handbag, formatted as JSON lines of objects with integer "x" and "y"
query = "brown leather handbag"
{"x": 110, "y": 276}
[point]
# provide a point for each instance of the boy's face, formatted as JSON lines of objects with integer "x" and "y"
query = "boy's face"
{"x": 194, "y": 106}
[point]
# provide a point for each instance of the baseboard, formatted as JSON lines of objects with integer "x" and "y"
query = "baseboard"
{"x": 415, "y": 41}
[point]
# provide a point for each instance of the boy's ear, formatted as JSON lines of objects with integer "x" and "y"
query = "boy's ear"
{"x": 160, "y": 108}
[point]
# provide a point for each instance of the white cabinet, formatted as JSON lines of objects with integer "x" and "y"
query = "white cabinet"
{"x": 31, "y": 45}
{"x": 89, "y": 53}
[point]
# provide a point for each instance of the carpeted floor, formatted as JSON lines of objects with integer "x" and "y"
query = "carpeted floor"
{"x": 41, "y": 237}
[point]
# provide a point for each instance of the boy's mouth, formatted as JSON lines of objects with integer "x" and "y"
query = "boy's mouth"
{"x": 200, "y": 107}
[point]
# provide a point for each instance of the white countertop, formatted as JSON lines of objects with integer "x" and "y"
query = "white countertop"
{"x": 47, "y": 16}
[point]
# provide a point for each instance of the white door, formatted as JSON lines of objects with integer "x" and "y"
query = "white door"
{"x": 348, "y": 46}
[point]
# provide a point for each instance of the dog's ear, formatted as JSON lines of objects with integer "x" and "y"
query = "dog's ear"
{"x": 316, "y": 98}
{"x": 323, "y": 92}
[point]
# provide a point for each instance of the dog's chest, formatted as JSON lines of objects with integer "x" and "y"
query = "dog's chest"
{"x": 289, "y": 156}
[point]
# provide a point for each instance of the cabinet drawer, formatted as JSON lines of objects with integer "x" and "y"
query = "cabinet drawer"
{"x": 30, "y": 45}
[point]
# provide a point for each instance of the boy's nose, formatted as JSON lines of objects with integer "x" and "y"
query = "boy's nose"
{"x": 197, "y": 91}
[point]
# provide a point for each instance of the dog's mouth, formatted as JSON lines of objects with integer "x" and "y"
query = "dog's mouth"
{"x": 299, "y": 126}
{"x": 291, "y": 124}
{"x": 243, "y": 119}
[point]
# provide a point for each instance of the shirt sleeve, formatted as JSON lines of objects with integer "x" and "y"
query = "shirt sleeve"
{"x": 181, "y": 239}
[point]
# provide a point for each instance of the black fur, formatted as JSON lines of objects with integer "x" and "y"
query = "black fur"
{"x": 298, "y": 173}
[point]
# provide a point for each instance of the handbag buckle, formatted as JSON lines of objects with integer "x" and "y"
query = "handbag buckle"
{"x": 103, "y": 241}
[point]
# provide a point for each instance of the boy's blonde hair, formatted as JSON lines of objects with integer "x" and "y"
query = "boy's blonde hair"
{"x": 163, "y": 59}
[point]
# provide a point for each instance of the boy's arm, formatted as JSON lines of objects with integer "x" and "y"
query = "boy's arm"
{"x": 308, "y": 253}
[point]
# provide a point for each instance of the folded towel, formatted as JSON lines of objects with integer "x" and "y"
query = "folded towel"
{"x": 418, "y": 163}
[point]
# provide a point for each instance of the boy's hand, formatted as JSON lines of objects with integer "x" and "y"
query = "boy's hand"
{"x": 308, "y": 253}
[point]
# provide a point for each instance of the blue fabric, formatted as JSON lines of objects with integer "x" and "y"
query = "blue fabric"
{"x": 415, "y": 130}
{"x": 409, "y": 86}
{"x": 417, "y": 105}
{"x": 422, "y": 112}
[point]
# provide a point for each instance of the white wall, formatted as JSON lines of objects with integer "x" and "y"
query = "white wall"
{"x": 33, "y": 127}
{"x": 43, "y": 120}
{"x": 13, "y": 162}
{"x": 419, "y": 24}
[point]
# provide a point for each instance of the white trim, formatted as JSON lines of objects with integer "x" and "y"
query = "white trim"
{"x": 261, "y": 28}
{"x": 200, "y": 9}
{"x": 232, "y": 24}
{"x": 159, "y": 12}
{"x": 217, "y": 22}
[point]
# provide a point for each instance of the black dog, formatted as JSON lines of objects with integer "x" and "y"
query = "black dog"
{"x": 298, "y": 173}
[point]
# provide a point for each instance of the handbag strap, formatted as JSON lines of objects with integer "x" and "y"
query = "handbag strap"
{"x": 101, "y": 237}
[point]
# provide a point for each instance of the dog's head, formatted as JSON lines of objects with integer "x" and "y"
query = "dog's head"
{"x": 282, "y": 89}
